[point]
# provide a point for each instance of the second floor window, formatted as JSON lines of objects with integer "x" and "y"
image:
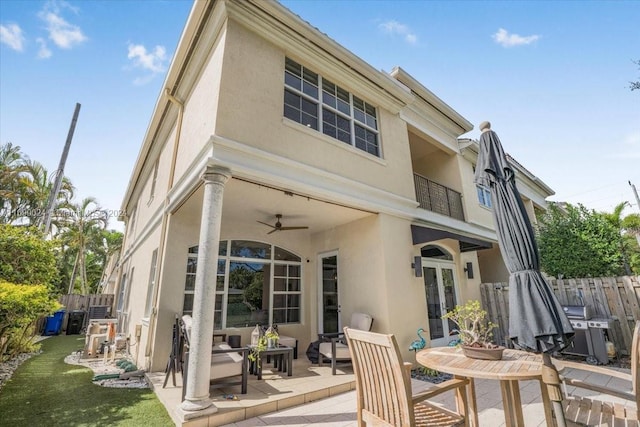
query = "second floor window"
{"x": 320, "y": 104}
{"x": 484, "y": 196}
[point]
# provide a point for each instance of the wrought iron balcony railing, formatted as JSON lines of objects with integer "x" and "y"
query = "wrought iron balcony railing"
{"x": 438, "y": 198}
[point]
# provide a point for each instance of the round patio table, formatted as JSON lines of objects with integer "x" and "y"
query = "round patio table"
{"x": 515, "y": 366}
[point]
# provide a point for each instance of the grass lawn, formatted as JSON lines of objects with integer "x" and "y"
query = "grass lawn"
{"x": 45, "y": 391}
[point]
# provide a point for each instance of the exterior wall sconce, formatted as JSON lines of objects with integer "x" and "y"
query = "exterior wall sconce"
{"x": 417, "y": 266}
{"x": 469, "y": 270}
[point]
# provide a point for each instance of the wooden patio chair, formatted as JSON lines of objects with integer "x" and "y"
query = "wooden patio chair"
{"x": 383, "y": 387}
{"x": 588, "y": 411}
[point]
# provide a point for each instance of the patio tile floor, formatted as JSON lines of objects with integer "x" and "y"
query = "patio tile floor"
{"x": 315, "y": 397}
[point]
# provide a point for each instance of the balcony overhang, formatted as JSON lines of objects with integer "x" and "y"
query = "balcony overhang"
{"x": 421, "y": 234}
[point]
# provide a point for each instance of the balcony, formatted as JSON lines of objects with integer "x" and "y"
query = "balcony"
{"x": 437, "y": 198}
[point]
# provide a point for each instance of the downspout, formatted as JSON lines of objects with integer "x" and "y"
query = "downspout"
{"x": 164, "y": 229}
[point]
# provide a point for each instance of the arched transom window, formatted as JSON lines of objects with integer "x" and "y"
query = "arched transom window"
{"x": 257, "y": 283}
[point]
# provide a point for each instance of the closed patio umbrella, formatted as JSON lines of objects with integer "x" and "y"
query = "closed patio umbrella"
{"x": 536, "y": 319}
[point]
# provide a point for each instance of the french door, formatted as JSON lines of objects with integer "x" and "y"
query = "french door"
{"x": 441, "y": 292}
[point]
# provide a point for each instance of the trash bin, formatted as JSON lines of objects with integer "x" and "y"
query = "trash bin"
{"x": 54, "y": 323}
{"x": 75, "y": 322}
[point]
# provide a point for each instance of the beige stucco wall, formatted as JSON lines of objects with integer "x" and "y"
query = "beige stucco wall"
{"x": 137, "y": 283}
{"x": 251, "y": 112}
{"x": 201, "y": 109}
{"x": 440, "y": 167}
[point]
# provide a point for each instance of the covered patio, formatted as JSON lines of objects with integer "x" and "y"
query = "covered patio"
{"x": 275, "y": 392}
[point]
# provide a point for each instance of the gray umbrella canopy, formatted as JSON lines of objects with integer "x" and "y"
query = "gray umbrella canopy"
{"x": 536, "y": 319}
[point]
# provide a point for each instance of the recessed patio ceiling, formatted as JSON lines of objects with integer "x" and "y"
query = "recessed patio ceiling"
{"x": 249, "y": 202}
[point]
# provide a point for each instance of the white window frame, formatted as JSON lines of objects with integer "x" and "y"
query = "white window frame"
{"x": 148, "y": 307}
{"x": 228, "y": 259}
{"x": 485, "y": 200}
{"x": 321, "y": 105}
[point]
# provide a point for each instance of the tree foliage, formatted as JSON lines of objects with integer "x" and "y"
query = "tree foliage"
{"x": 81, "y": 244}
{"x": 577, "y": 242}
{"x": 20, "y": 307}
{"x": 26, "y": 257}
{"x": 636, "y": 84}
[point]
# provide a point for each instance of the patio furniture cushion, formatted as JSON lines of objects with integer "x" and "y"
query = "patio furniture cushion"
{"x": 289, "y": 342}
{"x": 383, "y": 386}
{"x": 225, "y": 365}
{"x": 226, "y": 362}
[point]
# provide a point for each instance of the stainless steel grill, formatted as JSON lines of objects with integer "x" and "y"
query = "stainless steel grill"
{"x": 589, "y": 340}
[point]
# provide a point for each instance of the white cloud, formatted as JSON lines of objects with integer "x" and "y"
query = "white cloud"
{"x": 44, "y": 52}
{"x": 62, "y": 33}
{"x": 153, "y": 61}
{"x": 504, "y": 39}
{"x": 11, "y": 35}
{"x": 396, "y": 28}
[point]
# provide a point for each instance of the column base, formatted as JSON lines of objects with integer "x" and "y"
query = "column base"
{"x": 196, "y": 409}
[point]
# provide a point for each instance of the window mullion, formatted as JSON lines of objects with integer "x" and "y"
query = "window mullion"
{"x": 352, "y": 121}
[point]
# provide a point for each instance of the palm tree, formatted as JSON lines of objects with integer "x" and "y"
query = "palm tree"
{"x": 81, "y": 225}
{"x": 11, "y": 167}
{"x": 37, "y": 184}
{"x": 631, "y": 224}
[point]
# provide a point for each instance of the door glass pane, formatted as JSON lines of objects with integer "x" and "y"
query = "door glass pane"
{"x": 449, "y": 293}
{"x": 330, "y": 294}
{"x": 433, "y": 303}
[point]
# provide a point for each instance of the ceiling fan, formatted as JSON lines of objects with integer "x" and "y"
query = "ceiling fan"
{"x": 278, "y": 225}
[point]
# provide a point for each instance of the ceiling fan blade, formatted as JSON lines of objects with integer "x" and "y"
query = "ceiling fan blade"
{"x": 293, "y": 228}
{"x": 264, "y": 223}
{"x": 274, "y": 230}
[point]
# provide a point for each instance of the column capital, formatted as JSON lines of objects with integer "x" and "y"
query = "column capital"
{"x": 216, "y": 174}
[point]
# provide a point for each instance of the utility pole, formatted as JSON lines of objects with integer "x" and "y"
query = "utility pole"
{"x": 635, "y": 192}
{"x": 59, "y": 173}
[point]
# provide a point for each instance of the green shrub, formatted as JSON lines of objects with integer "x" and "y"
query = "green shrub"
{"x": 20, "y": 308}
{"x": 25, "y": 256}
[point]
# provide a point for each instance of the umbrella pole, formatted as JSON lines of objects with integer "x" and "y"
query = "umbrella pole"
{"x": 552, "y": 380}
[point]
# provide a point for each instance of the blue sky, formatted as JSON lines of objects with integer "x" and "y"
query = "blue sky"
{"x": 552, "y": 77}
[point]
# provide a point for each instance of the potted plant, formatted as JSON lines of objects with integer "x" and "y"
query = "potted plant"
{"x": 265, "y": 341}
{"x": 474, "y": 331}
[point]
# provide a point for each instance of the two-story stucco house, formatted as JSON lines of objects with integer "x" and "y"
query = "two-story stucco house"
{"x": 263, "y": 115}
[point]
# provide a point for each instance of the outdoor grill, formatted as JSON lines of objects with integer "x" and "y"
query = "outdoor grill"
{"x": 589, "y": 339}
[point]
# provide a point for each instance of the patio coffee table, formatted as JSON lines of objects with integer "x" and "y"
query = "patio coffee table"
{"x": 282, "y": 359}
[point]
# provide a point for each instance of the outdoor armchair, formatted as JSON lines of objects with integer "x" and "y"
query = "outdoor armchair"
{"x": 334, "y": 346}
{"x": 229, "y": 366}
{"x": 383, "y": 387}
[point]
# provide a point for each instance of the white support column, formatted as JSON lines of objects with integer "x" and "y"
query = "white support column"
{"x": 197, "y": 392}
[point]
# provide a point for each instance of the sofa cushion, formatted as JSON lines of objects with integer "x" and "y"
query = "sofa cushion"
{"x": 342, "y": 351}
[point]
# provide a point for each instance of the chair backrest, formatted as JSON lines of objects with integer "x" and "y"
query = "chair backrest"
{"x": 186, "y": 328}
{"x": 383, "y": 385}
{"x": 635, "y": 363}
{"x": 361, "y": 321}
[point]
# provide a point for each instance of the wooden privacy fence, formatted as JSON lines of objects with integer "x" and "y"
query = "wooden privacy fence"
{"x": 73, "y": 302}
{"x": 617, "y": 298}
{"x": 83, "y": 302}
